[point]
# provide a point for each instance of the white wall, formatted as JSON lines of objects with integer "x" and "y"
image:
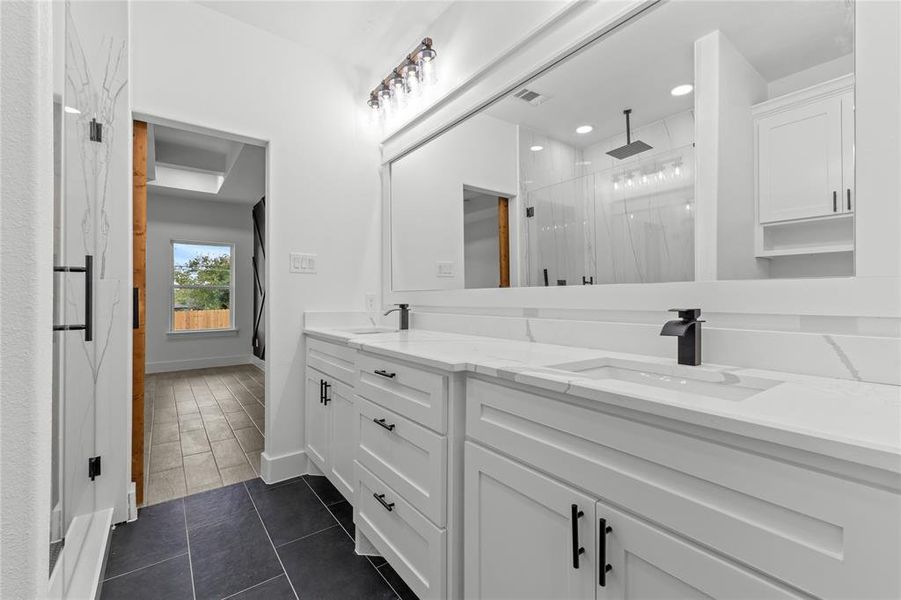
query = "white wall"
{"x": 168, "y": 219}
{"x": 427, "y": 198}
{"x": 480, "y": 243}
{"x": 197, "y": 66}
{"x": 26, "y": 243}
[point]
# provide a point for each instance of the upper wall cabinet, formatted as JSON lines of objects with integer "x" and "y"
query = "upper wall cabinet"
{"x": 805, "y": 156}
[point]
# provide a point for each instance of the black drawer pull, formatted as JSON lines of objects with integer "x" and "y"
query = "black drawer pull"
{"x": 849, "y": 198}
{"x": 321, "y": 390}
{"x": 603, "y": 567}
{"x": 834, "y": 201}
{"x": 385, "y": 373}
{"x": 389, "y": 506}
{"x": 381, "y": 423}
{"x": 577, "y": 549}
{"x": 325, "y": 396}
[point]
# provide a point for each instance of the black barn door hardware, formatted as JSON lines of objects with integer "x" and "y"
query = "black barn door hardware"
{"x": 88, "y": 325}
{"x": 603, "y": 567}
{"x": 135, "y": 304}
{"x": 577, "y": 549}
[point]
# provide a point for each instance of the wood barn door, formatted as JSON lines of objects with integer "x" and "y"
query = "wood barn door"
{"x": 139, "y": 294}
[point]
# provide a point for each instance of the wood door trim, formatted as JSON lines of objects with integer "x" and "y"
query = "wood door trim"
{"x": 139, "y": 276}
{"x": 503, "y": 240}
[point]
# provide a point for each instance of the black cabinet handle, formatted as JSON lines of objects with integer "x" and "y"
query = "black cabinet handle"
{"x": 321, "y": 390}
{"x": 381, "y": 423}
{"x": 834, "y": 201}
{"x": 849, "y": 198}
{"x": 88, "y": 270}
{"x": 325, "y": 397}
{"x": 385, "y": 373}
{"x": 603, "y": 567}
{"x": 389, "y": 506}
{"x": 577, "y": 549}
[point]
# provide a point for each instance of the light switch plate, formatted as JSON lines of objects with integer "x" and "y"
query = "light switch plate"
{"x": 302, "y": 263}
{"x": 445, "y": 269}
{"x": 370, "y": 302}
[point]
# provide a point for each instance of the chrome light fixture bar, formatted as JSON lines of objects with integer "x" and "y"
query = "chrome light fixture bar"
{"x": 408, "y": 77}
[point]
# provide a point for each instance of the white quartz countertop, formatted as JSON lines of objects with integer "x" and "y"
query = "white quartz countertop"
{"x": 848, "y": 420}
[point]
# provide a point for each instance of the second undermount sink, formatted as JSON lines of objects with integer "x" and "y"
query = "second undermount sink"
{"x": 368, "y": 330}
{"x": 699, "y": 381}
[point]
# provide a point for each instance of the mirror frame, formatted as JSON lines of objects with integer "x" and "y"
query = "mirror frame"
{"x": 874, "y": 290}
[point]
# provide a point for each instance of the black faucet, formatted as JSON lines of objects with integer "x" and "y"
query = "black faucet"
{"x": 404, "y": 310}
{"x": 688, "y": 329}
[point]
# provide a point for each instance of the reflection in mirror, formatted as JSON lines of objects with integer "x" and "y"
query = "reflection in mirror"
{"x": 702, "y": 140}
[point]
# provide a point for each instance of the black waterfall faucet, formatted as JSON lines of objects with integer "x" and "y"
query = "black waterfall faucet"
{"x": 688, "y": 329}
{"x": 404, "y": 310}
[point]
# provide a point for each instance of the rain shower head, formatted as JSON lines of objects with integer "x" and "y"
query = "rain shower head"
{"x": 631, "y": 148}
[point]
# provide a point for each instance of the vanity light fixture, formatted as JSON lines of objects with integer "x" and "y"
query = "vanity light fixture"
{"x": 406, "y": 79}
{"x": 583, "y": 129}
{"x": 682, "y": 90}
{"x": 536, "y": 148}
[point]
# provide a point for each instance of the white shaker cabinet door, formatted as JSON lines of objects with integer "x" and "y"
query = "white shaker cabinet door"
{"x": 800, "y": 162}
{"x": 343, "y": 442}
{"x": 645, "y": 563}
{"x": 317, "y": 426}
{"x": 519, "y": 538}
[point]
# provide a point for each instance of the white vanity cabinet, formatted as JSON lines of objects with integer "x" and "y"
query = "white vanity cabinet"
{"x": 805, "y": 153}
{"x": 692, "y": 512}
{"x": 330, "y": 412}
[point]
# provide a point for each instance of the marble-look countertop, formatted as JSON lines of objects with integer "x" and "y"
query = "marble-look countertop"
{"x": 848, "y": 420}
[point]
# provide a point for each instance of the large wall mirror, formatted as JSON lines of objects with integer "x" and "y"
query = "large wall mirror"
{"x": 700, "y": 140}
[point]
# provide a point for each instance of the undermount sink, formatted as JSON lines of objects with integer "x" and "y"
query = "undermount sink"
{"x": 699, "y": 381}
{"x": 367, "y": 330}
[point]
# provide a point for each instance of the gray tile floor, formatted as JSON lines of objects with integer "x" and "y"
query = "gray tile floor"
{"x": 248, "y": 540}
{"x": 204, "y": 429}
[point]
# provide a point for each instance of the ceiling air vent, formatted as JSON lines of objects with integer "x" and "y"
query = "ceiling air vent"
{"x": 532, "y": 97}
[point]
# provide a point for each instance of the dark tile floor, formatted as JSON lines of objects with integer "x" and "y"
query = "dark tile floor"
{"x": 249, "y": 540}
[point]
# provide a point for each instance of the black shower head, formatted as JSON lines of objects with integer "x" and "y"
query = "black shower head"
{"x": 631, "y": 148}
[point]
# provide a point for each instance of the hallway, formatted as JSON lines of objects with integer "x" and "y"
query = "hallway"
{"x": 204, "y": 429}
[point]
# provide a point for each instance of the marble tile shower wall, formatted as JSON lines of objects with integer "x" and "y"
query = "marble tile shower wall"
{"x": 606, "y": 220}
{"x": 860, "y": 349}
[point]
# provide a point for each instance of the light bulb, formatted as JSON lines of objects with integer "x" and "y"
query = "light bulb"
{"x": 583, "y": 129}
{"x": 536, "y": 148}
{"x": 682, "y": 90}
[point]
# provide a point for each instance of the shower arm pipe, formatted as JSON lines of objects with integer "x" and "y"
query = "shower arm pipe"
{"x": 409, "y": 58}
{"x": 627, "y": 112}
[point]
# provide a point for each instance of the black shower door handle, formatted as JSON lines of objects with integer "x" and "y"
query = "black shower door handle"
{"x": 88, "y": 270}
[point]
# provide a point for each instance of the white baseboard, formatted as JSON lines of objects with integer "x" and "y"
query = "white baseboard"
{"x": 78, "y": 572}
{"x": 197, "y": 363}
{"x": 279, "y": 468}
{"x": 259, "y": 364}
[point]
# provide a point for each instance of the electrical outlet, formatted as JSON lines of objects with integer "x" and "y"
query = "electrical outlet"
{"x": 302, "y": 263}
{"x": 445, "y": 269}
{"x": 369, "y": 300}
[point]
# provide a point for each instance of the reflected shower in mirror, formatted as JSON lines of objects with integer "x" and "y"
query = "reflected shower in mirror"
{"x": 700, "y": 140}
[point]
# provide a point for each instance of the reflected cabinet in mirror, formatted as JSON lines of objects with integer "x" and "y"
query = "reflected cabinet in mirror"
{"x": 700, "y": 140}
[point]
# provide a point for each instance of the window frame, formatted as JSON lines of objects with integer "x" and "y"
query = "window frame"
{"x": 173, "y": 286}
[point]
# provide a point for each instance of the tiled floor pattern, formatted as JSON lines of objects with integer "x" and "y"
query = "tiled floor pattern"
{"x": 250, "y": 541}
{"x": 203, "y": 429}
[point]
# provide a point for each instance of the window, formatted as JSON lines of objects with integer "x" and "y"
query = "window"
{"x": 202, "y": 286}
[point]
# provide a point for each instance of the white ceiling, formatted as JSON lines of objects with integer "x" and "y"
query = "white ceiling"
{"x": 365, "y": 34}
{"x": 638, "y": 66}
{"x": 243, "y": 165}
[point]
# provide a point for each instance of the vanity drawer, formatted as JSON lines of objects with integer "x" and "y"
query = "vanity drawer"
{"x": 407, "y": 456}
{"x": 332, "y": 359}
{"x": 413, "y": 546}
{"x": 410, "y": 392}
{"x": 804, "y": 527}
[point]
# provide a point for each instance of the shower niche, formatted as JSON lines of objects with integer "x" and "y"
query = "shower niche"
{"x": 700, "y": 141}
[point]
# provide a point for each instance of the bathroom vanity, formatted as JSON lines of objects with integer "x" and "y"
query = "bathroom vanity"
{"x": 488, "y": 468}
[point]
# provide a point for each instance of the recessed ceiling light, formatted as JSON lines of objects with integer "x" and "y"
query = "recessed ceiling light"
{"x": 72, "y": 110}
{"x": 682, "y": 90}
{"x": 583, "y": 129}
{"x": 536, "y": 148}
